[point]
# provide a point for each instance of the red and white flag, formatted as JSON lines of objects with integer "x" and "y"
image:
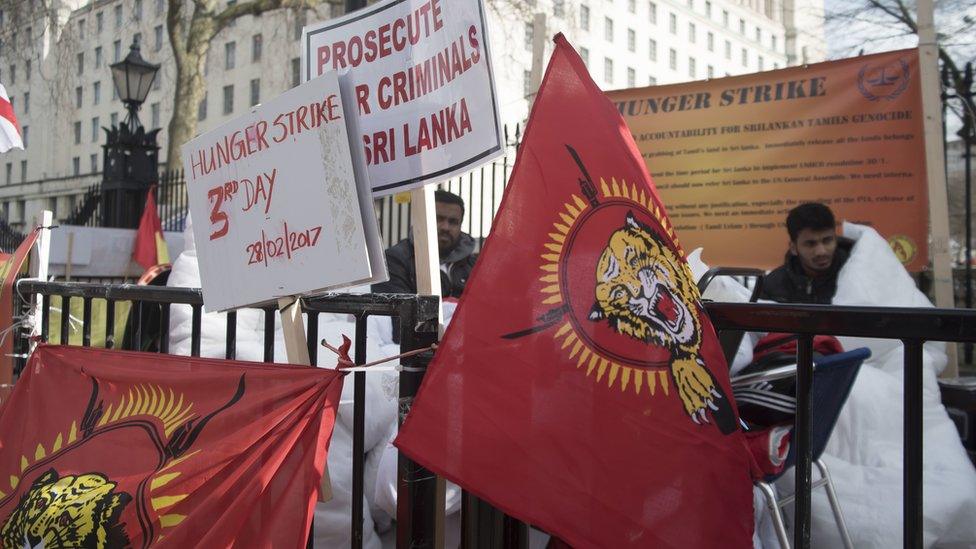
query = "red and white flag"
{"x": 9, "y": 129}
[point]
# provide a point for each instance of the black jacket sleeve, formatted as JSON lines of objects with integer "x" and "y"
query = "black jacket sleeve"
{"x": 402, "y": 280}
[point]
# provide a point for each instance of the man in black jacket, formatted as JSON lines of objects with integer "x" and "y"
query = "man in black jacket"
{"x": 816, "y": 254}
{"x": 456, "y": 253}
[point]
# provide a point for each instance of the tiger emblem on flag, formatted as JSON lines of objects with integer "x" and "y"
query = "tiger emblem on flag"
{"x": 644, "y": 291}
{"x": 69, "y": 511}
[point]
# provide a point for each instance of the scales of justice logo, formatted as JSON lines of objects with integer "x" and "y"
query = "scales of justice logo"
{"x": 885, "y": 81}
{"x": 624, "y": 307}
{"x": 64, "y": 495}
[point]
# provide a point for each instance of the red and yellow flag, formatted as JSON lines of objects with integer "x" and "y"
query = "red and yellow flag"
{"x": 150, "y": 247}
{"x": 580, "y": 387}
{"x": 10, "y": 267}
{"x": 120, "y": 449}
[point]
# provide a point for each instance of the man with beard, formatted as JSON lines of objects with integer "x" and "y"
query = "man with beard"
{"x": 816, "y": 254}
{"x": 456, "y": 249}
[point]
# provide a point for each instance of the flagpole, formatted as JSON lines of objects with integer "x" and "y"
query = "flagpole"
{"x": 43, "y": 260}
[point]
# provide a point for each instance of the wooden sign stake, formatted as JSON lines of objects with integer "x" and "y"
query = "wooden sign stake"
{"x": 296, "y": 348}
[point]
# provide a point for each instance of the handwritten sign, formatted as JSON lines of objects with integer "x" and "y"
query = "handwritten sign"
{"x": 419, "y": 74}
{"x": 275, "y": 203}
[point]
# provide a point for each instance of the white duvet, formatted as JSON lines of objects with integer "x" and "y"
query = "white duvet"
{"x": 864, "y": 455}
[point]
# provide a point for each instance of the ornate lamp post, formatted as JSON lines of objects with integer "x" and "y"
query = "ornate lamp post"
{"x": 131, "y": 155}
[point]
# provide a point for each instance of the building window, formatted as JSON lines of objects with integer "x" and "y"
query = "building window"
{"x": 25, "y": 135}
{"x": 27, "y": 70}
{"x": 78, "y": 133}
{"x": 137, "y": 38}
{"x": 758, "y": 35}
{"x": 228, "y": 99}
{"x": 526, "y": 83}
{"x": 710, "y": 71}
{"x": 691, "y": 4}
{"x": 673, "y": 59}
{"x": 13, "y": 74}
{"x": 157, "y": 38}
{"x": 299, "y": 24}
{"x": 81, "y": 63}
{"x": 81, "y": 30}
{"x": 296, "y": 71}
{"x": 631, "y": 78}
{"x": 725, "y": 18}
{"x": 137, "y": 10}
{"x": 773, "y": 42}
{"x": 652, "y": 13}
{"x": 202, "y": 108}
{"x": 803, "y": 55}
{"x": 559, "y": 8}
{"x": 651, "y": 81}
{"x": 711, "y": 41}
{"x": 631, "y": 40}
{"x": 23, "y": 179}
{"x": 728, "y": 49}
{"x": 692, "y": 34}
{"x": 78, "y": 95}
{"x": 230, "y": 53}
{"x": 745, "y": 57}
{"x": 608, "y": 29}
{"x": 10, "y": 175}
{"x": 76, "y": 166}
{"x": 99, "y": 22}
{"x": 585, "y": 17}
{"x": 160, "y": 7}
{"x": 742, "y": 26}
{"x": 26, "y": 102}
{"x": 652, "y": 50}
{"x": 608, "y": 70}
{"x": 231, "y": 4}
{"x": 154, "y": 115}
{"x": 96, "y": 93}
{"x": 98, "y": 57}
{"x": 114, "y": 118}
{"x": 760, "y": 62}
{"x": 94, "y": 130}
{"x": 529, "y": 32}
{"x": 257, "y": 45}
{"x": 632, "y": 6}
{"x": 93, "y": 159}
{"x": 708, "y": 9}
{"x": 585, "y": 54}
{"x": 673, "y": 23}
{"x": 116, "y": 51}
{"x": 118, "y": 16}
{"x": 255, "y": 91}
{"x": 692, "y": 65}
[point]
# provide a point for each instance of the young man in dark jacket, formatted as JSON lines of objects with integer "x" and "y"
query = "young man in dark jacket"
{"x": 456, "y": 253}
{"x": 815, "y": 257}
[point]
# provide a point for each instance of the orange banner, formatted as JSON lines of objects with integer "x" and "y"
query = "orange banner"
{"x": 731, "y": 156}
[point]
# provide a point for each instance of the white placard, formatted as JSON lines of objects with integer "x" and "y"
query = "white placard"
{"x": 278, "y": 203}
{"x": 421, "y": 81}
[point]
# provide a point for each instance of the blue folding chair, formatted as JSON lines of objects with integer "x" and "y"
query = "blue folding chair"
{"x": 833, "y": 377}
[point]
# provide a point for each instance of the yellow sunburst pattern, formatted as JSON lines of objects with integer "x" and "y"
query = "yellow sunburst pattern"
{"x": 652, "y": 382}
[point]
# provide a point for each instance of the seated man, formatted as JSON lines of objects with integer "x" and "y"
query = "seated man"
{"x": 456, "y": 249}
{"x": 816, "y": 254}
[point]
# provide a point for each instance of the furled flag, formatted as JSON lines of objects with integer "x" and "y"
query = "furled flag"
{"x": 581, "y": 387}
{"x": 10, "y": 267}
{"x": 104, "y": 448}
{"x": 9, "y": 129}
{"x": 150, "y": 247}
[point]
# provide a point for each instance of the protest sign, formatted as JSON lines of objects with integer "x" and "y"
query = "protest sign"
{"x": 275, "y": 202}
{"x": 11, "y": 266}
{"x": 731, "y": 156}
{"x": 419, "y": 73}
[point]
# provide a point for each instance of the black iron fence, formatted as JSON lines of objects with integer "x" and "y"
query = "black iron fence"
{"x": 416, "y": 508}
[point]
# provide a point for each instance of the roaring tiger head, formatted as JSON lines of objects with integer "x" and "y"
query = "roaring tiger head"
{"x": 645, "y": 291}
{"x": 72, "y": 511}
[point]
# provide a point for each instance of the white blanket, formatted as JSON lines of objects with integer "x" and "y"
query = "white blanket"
{"x": 332, "y": 524}
{"x": 864, "y": 455}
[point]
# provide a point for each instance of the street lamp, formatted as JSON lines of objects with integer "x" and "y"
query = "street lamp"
{"x": 131, "y": 157}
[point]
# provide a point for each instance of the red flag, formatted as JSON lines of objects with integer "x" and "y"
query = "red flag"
{"x": 111, "y": 449}
{"x": 150, "y": 247}
{"x": 580, "y": 387}
{"x": 10, "y": 267}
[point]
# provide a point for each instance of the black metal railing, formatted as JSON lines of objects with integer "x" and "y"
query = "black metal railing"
{"x": 416, "y": 509}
